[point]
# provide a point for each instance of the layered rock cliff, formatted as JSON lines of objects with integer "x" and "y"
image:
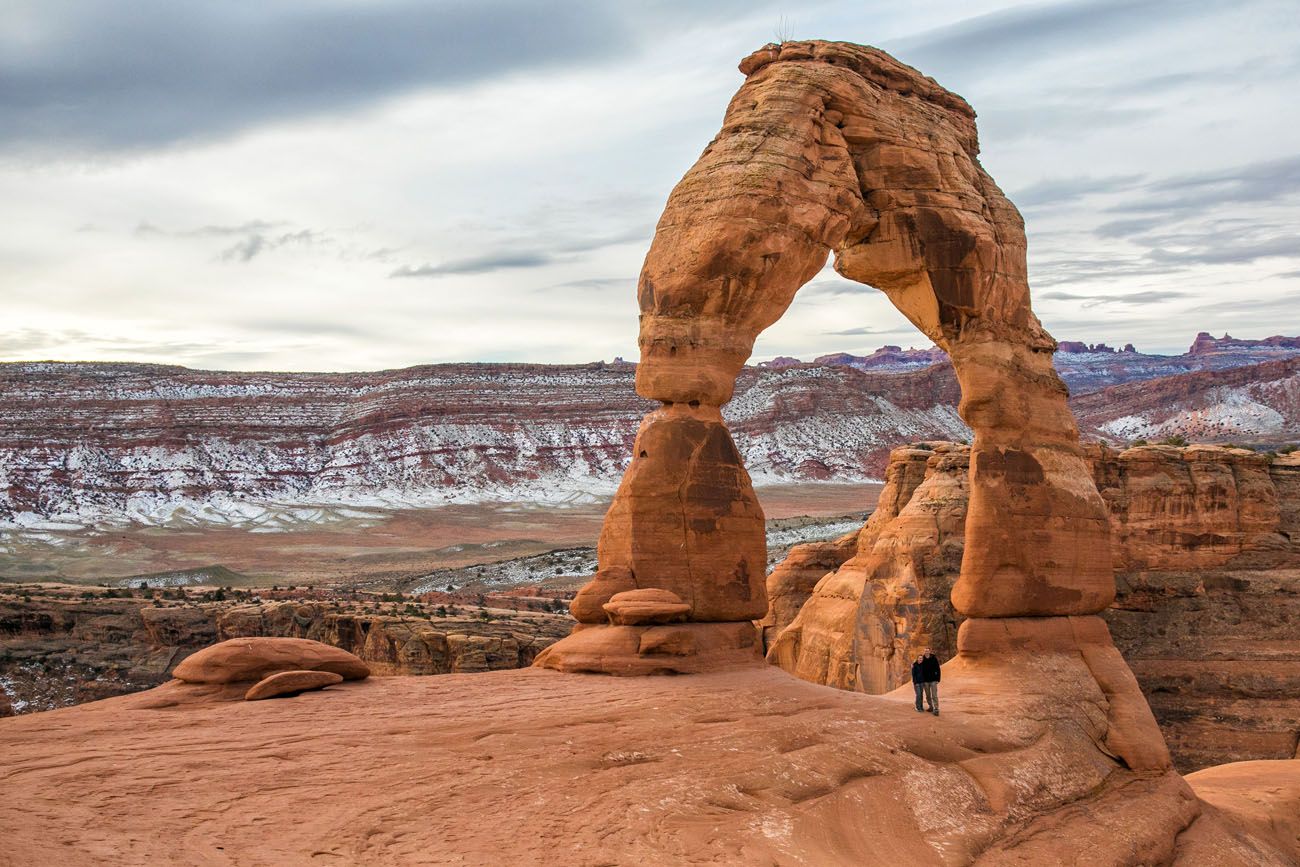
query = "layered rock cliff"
{"x": 82, "y": 443}
{"x": 1207, "y": 558}
{"x": 88, "y": 443}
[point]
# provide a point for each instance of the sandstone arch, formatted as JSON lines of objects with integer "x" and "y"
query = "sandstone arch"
{"x": 836, "y": 148}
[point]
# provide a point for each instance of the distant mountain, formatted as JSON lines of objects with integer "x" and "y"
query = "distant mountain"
{"x": 1257, "y": 403}
{"x": 1088, "y": 367}
{"x": 92, "y": 443}
{"x": 89, "y": 443}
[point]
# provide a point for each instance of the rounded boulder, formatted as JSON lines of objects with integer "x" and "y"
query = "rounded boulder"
{"x": 291, "y": 683}
{"x": 253, "y": 659}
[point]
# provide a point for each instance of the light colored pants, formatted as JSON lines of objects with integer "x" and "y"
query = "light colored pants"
{"x": 929, "y": 692}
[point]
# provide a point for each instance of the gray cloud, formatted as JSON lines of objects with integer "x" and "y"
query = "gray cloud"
{"x": 834, "y": 288}
{"x": 476, "y": 265}
{"x": 1151, "y": 296}
{"x": 29, "y": 341}
{"x": 596, "y": 284}
{"x": 108, "y": 76}
{"x": 1011, "y": 37}
{"x": 1284, "y": 305}
{"x": 305, "y": 327}
{"x": 1067, "y": 190}
{"x": 1252, "y": 183}
{"x": 534, "y": 251}
{"x": 864, "y": 330}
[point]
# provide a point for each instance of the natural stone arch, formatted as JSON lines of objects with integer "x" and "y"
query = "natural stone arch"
{"x": 834, "y": 147}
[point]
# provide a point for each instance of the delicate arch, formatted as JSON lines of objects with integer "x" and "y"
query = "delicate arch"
{"x": 839, "y": 147}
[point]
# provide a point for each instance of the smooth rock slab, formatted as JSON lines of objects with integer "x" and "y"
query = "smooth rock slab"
{"x": 291, "y": 683}
{"x": 241, "y": 659}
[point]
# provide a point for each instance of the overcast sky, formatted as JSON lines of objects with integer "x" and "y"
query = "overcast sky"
{"x": 356, "y": 184}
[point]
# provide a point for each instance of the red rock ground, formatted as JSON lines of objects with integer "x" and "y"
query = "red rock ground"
{"x": 535, "y": 767}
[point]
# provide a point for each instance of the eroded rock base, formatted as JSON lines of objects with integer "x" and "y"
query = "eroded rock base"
{"x": 674, "y": 648}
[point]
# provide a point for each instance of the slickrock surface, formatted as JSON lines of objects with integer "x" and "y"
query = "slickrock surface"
{"x": 243, "y": 659}
{"x": 288, "y": 683}
{"x": 1208, "y": 566}
{"x": 537, "y": 767}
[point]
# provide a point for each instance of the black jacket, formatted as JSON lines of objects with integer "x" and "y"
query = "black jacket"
{"x": 930, "y": 671}
{"x": 917, "y": 675}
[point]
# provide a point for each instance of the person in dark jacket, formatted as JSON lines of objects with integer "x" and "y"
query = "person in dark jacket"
{"x": 930, "y": 674}
{"x": 918, "y": 681}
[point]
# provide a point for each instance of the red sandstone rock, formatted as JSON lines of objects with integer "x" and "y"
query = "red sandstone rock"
{"x": 291, "y": 683}
{"x": 243, "y": 659}
{"x": 839, "y": 147}
{"x": 792, "y": 581}
{"x": 672, "y": 648}
{"x": 745, "y": 765}
{"x": 908, "y": 552}
{"x": 640, "y": 607}
{"x": 687, "y": 492}
{"x": 1209, "y": 583}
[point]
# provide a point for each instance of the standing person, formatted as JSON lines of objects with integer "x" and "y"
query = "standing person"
{"x": 930, "y": 674}
{"x": 918, "y": 681}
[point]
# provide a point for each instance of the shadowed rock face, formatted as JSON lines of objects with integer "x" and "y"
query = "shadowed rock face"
{"x": 839, "y": 148}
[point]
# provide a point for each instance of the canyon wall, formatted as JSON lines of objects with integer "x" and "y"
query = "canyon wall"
{"x": 59, "y": 648}
{"x": 1207, "y": 558}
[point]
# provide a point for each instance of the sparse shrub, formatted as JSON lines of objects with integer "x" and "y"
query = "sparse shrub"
{"x": 1175, "y": 440}
{"x": 1286, "y": 450}
{"x": 1137, "y": 443}
{"x": 441, "y": 611}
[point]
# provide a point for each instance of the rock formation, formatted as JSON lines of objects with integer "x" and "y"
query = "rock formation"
{"x": 286, "y": 683}
{"x": 252, "y": 659}
{"x": 745, "y": 766}
{"x": 1207, "y": 557}
{"x": 59, "y": 649}
{"x": 830, "y": 147}
{"x": 1259, "y": 403}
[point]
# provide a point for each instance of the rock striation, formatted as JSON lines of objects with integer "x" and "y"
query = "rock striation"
{"x": 1207, "y": 558}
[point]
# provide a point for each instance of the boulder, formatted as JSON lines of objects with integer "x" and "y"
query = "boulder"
{"x": 244, "y": 659}
{"x": 634, "y": 607}
{"x": 291, "y": 683}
